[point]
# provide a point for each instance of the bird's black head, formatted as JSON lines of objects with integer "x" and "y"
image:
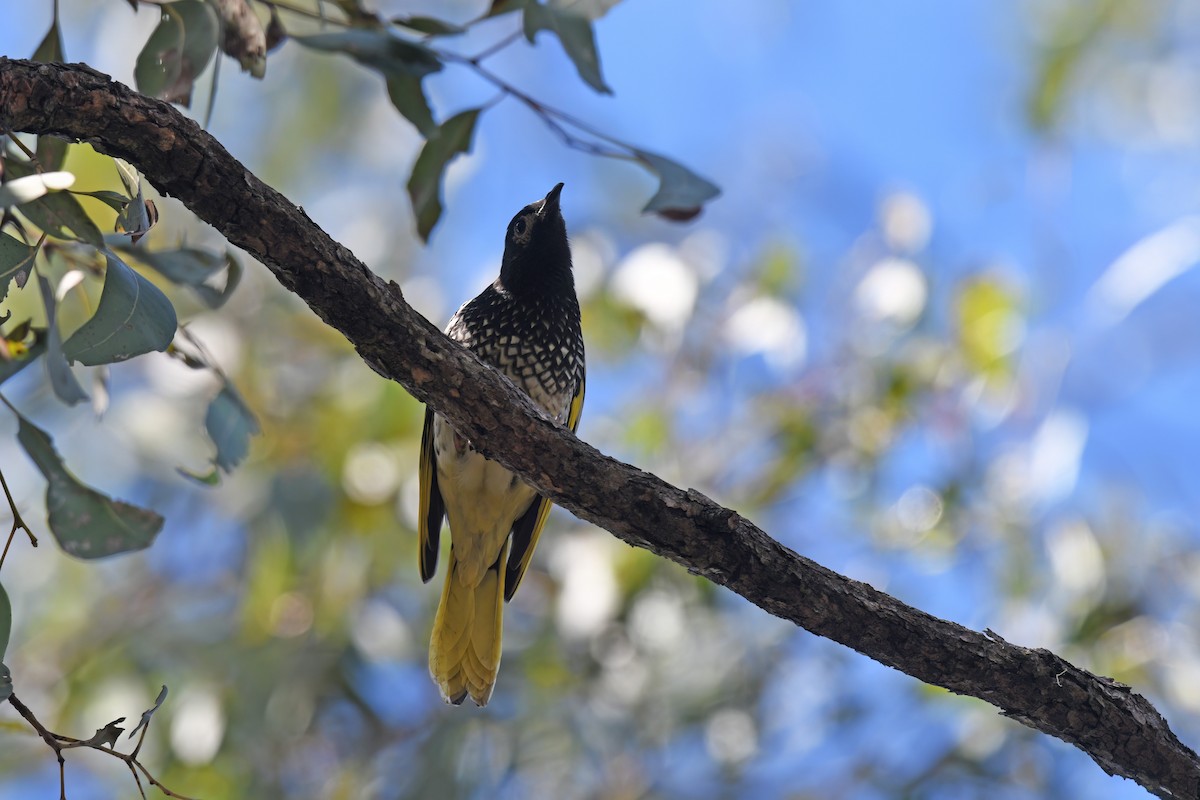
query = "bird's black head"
{"x": 537, "y": 258}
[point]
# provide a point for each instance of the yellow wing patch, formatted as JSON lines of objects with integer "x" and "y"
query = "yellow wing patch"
{"x": 528, "y": 527}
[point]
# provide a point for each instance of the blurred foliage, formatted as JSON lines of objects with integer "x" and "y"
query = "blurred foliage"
{"x": 281, "y": 602}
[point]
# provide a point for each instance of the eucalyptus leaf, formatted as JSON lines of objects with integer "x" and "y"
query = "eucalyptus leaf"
{"x": 408, "y": 97}
{"x": 59, "y": 214}
{"x": 62, "y": 380}
{"x": 425, "y": 184}
{"x": 114, "y": 200}
{"x": 86, "y": 523}
{"x": 29, "y": 188}
{"x": 6, "y": 686}
{"x": 148, "y": 713}
{"x": 16, "y": 258}
{"x": 574, "y": 31}
{"x": 133, "y": 317}
{"x": 51, "y": 151}
{"x": 177, "y": 51}
{"x": 681, "y": 193}
{"x": 230, "y": 424}
{"x": 194, "y": 268}
{"x": 5, "y": 620}
{"x": 429, "y": 26}
{"x": 378, "y": 49}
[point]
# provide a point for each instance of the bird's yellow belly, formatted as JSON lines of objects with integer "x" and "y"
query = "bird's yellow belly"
{"x": 483, "y": 500}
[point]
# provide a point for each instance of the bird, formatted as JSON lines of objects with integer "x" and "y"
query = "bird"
{"x": 527, "y": 324}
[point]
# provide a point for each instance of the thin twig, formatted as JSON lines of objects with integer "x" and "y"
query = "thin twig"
{"x": 18, "y": 522}
{"x": 59, "y": 742}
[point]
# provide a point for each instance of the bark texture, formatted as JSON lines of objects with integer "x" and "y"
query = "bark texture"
{"x": 1117, "y": 727}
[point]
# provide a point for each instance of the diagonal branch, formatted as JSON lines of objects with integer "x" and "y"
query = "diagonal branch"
{"x": 1118, "y": 728}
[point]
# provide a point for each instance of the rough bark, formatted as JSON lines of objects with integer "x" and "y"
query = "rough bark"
{"x": 1118, "y": 728}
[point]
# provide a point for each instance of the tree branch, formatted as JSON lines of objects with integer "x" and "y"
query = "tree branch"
{"x": 1118, "y": 728}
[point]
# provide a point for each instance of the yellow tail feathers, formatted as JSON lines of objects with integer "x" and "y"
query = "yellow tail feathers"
{"x": 464, "y": 653}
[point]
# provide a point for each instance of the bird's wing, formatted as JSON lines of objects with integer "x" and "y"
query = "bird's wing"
{"x": 528, "y": 527}
{"x": 433, "y": 508}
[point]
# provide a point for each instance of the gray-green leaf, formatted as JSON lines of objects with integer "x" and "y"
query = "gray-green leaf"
{"x": 16, "y": 258}
{"x": 62, "y": 380}
{"x": 425, "y": 184}
{"x": 681, "y": 193}
{"x": 58, "y": 213}
{"x": 5, "y": 621}
{"x": 408, "y": 97}
{"x": 177, "y": 51}
{"x": 378, "y": 49}
{"x": 148, "y": 713}
{"x": 230, "y": 424}
{"x": 429, "y": 25}
{"x": 193, "y": 268}
{"x": 86, "y": 523}
{"x": 574, "y": 30}
{"x": 133, "y": 318}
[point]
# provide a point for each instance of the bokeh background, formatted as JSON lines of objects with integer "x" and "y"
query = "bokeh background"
{"x": 939, "y": 333}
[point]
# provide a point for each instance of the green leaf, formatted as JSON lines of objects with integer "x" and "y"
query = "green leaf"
{"x": 5, "y": 683}
{"x": 230, "y": 424}
{"x": 148, "y": 713}
{"x": 58, "y": 213}
{"x": 62, "y": 380}
{"x": 409, "y": 99}
{"x": 51, "y": 47}
{"x": 681, "y": 193}
{"x": 429, "y": 25}
{"x": 425, "y": 183}
{"x": 378, "y": 49}
{"x": 499, "y": 7}
{"x": 14, "y": 365}
{"x": 86, "y": 523}
{"x": 177, "y": 51}
{"x": 193, "y": 268}
{"x": 5, "y": 621}
{"x": 114, "y": 200}
{"x": 20, "y": 191}
{"x": 574, "y": 30}
{"x": 16, "y": 258}
{"x": 133, "y": 317}
{"x": 51, "y": 151}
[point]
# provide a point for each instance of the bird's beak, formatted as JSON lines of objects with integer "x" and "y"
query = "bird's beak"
{"x": 550, "y": 202}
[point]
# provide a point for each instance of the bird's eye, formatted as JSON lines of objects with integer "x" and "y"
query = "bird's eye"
{"x": 521, "y": 226}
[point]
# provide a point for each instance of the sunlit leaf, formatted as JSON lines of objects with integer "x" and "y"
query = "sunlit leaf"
{"x": 429, "y": 25}
{"x": 133, "y": 317}
{"x": 230, "y": 424}
{"x": 31, "y": 187}
{"x": 148, "y": 713}
{"x": 135, "y": 218}
{"x": 62, "y": 380}
{"x": 16, "y": 259}
{"x": 425, "y": 185}
{"x": 989, "y": 320}
{"x": 59, "y": 214}
{"x": 681, "y": 193}
{"x": 86, "y": 523}
{"x": 574, "y": 30}
{"x": 177, "y": 51}
{"x": 14, "y": 363}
